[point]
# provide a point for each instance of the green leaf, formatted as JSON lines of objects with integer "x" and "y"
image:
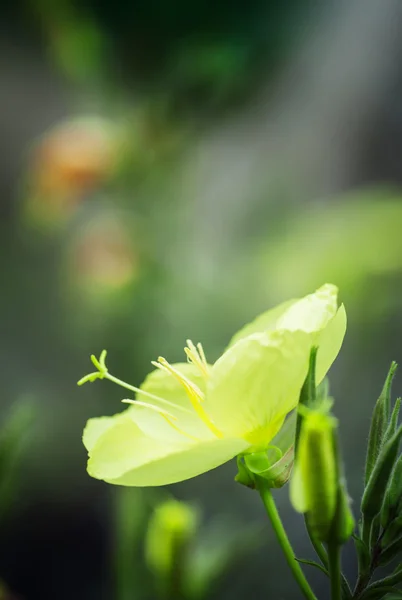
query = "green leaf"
{"x": 379, "y": 423}
{"x": 380, "y": 592}
{"x": 390, "y": 552}
{"x": 393, "y": 422}
{"x": 378, "y": 589}
{"x": 393, "y": 495}
{"x": 373, "y": 494}
{"x": 392, "y": 532}
{"x": 363, "y": 554}
{"x": 313, "y": 563}
{"x": 375, "y": 531}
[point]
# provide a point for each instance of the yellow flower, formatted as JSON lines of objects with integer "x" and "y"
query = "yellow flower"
{"x": 191, "y": 417}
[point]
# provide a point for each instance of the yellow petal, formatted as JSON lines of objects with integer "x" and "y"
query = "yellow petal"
{"x": 124, "y": 455}
{"x": 96, "y": 427}
{"x": 313, "y": 312}
{"x": 257, "y": 382}
{"x": 265, "y": 322}
{"x": 329, "y": 342}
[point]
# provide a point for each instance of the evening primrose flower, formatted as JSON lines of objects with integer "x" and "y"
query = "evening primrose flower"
{"x": 188, "y": 418}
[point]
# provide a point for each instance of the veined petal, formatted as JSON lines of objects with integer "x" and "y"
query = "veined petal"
{"x": 257, "y": 382}
{"x": 329, "y": 342}
{"x": 161, "y": 384}
{"x": 124, "y": 455}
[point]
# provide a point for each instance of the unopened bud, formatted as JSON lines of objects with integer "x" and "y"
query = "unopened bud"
{"x": 172, "y": 525}
{"x": 314, "y": 485}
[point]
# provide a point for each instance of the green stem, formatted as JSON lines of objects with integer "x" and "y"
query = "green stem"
{"x": 318, "y": 547}
{"x": 334, "y": 564}
{"x": 283, "y": 539}
{"x": 322, "y": 555}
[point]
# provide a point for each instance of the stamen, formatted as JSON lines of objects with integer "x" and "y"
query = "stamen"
{"x": 157, "y": 409}
{"x": 193, "y": 392}
{"x": 132, "y": 388}
{"x": 196, "y": 357}
{"x": 201, "y": 353}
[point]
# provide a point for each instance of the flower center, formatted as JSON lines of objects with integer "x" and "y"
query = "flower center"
{"x": 196, "y": 356}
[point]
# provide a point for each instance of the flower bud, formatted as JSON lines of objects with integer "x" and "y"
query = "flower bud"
{"x": 314, "y": 485}
{"x": 171, "y": 527}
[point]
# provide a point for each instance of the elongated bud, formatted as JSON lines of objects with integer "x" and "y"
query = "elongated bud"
{"x": 343, "y": 523}
{"x": 171, "y": 527}
{"x": 379, "y": 423}
{"x": 314, "y": 485}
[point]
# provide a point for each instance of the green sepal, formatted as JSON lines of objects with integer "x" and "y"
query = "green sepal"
{"x": 393, "y": 495}
{"x": 379, "y": 423}
{"x": 277, "y": 474}
{"x": 244, "y": 477}
{"x": 276, "y": 463}
{"x": 374, "y": 492}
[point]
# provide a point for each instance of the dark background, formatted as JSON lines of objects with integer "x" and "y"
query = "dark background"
{"x": 225, "y": 157}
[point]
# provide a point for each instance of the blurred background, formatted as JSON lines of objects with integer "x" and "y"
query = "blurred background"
{"x": 169, "y": 170}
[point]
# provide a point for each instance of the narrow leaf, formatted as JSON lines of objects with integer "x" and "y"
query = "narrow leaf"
{"x": 313, "y": 563}
{"x": 373, "y": 494}
{"x": 379, "y": 423}
{"x": 390, "y": 552}
{"x": 393, "y": 495}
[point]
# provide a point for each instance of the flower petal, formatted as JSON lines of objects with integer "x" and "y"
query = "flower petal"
{"x": 124, "y": 455}
{"x": 329, "y": 343}
{"x": 311, "y": 313}
{"x": 161, "y": 384}
{"x": 96, "y": 427}
{"x": 264, "y": 322}
{"x": 257, "y": 382}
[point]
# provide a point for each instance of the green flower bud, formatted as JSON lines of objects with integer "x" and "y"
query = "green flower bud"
{"x": 171, "y": 527}
{"x": 314, "y": 485}
{"x": 343, "y": 523}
